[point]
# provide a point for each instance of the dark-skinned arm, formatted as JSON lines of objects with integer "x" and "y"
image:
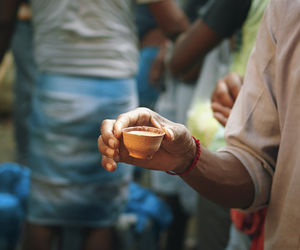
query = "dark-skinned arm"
{"x": 169, "y": 17}
{"x": 219, "y": 176}
{"x": 221, "y": 20}
{"x": 190, "y": 50}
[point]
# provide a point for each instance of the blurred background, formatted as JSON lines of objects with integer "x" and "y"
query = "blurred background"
{"x": 8, "y": 160}
{"x": 7, "y": 145}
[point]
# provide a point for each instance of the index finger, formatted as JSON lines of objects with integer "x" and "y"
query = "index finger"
{"x": 136, "y": 117}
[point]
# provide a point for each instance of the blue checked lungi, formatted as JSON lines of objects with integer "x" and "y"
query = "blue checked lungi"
{"x": 68, "y": 184}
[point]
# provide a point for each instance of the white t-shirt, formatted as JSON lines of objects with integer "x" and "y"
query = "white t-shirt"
{"x": 86, "y": 37}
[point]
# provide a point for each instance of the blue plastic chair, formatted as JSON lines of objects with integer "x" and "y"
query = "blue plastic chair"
{"x": 14, "y": 189}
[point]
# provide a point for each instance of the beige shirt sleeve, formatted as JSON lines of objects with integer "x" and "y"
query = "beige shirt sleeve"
{"x": 252, "y": 132}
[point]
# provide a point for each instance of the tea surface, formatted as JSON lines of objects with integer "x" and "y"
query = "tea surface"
{"x": 146, "y": 133}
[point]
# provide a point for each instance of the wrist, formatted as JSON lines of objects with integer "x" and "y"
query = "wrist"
{"x": 186, "y": 168}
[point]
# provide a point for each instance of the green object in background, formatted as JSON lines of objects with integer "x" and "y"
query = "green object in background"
{"x": 249, "y": 32}
{"x": 201, "y": 122}
{"x": 218, "y": 141}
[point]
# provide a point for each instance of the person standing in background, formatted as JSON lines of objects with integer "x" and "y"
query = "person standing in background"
{"x": 173, "y": 103}
{"x": 152, "y": 44}
{"x": 154, "y": 75}
{"x": 212, "y": 26}
{"x": 86, "y": 54}
{"x": 26, "y": 72}
{"x": 216, "y": 22}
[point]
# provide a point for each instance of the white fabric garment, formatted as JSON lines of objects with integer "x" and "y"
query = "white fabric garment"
{"x": 86, "y": 37}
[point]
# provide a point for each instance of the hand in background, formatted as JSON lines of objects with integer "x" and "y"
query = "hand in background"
{"x": 176, "y": 152}
{"x": 157, "y": 71}
{"x": 224, "y": 96}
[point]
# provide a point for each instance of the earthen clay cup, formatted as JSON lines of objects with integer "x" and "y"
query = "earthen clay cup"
{"x": 141, "y": 141}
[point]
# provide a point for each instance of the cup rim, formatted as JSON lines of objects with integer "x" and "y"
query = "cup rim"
{"x": 158, "y": 131}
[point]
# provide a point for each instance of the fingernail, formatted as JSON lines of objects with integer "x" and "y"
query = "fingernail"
{"x": 110, "y": 152}
{"x": 169, "y": 132}
{"x": 109, "y": 166}
{"x": 111, "y": 143}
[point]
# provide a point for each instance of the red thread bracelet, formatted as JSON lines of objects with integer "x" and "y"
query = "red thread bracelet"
{"x": 194, "y": 161}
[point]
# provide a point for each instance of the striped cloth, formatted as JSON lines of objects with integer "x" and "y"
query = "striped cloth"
{"x": 68, "y": 185}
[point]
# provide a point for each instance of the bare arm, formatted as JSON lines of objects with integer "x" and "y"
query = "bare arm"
{"x": 220, "y": 176}
{"x": 223, "y": 179}
{"x": 191, "y": 48}
{"x": 157, "y": 38}
{"x": 170, "y": 18}
{"x": 8, "y": 14}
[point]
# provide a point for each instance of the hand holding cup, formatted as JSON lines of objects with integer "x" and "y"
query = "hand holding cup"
{"x": 176, "y": 152}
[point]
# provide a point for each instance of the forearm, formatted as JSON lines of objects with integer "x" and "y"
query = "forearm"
{"x": 191, "y": 75}
{"x": 170, "y": 18}
{"x": 154, "y": 37}
{"x": 222, "y": 178}
{"x": 8, "y": 14}
{"x": 191, "y": 48}
{"x": 219, "y": 176}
